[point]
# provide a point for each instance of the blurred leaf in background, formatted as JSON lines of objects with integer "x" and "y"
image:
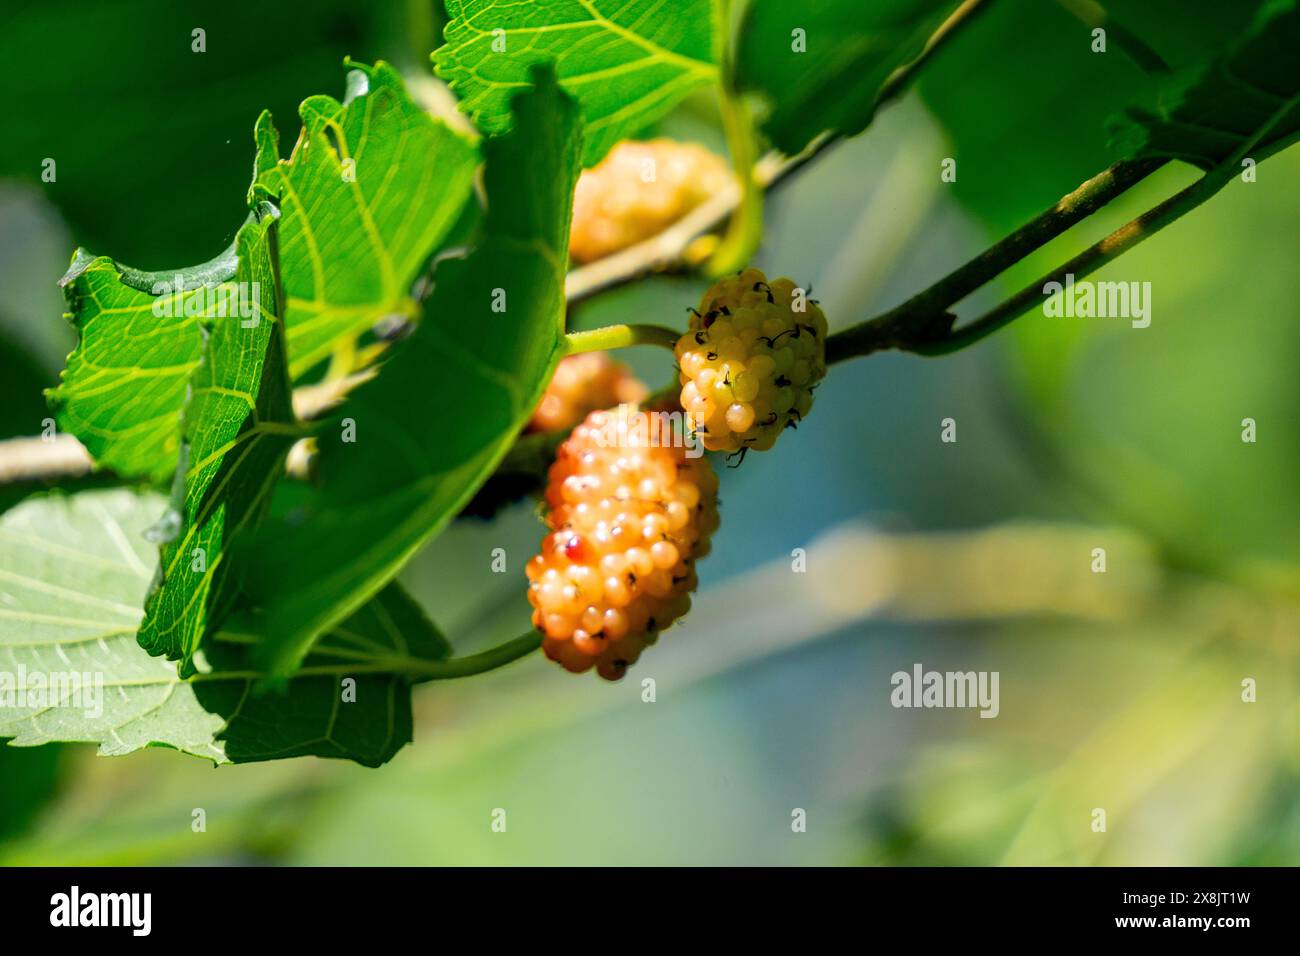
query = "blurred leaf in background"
{"x": 821, "y": 66}
{"x": 31, "y": 778}
{"x": 34, "y": 244}
{"x": 1030, "y": 130}
{"x": 1150, "y": 422}
{"x": 159, "y": 152}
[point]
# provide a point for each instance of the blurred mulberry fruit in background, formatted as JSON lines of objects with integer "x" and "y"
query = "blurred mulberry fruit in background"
{"x": 750, "y": 362}
{"x": 582, "y": 384}
{"x": 639, "y": 189}
{"x": 629, "y": 514}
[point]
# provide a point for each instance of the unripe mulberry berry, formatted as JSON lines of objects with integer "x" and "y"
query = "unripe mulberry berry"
{"x": 754, "y": 353}
{"x": 582, "y": 384}
{"x": 629, "y": 514}
{"x": 637, "y": 191}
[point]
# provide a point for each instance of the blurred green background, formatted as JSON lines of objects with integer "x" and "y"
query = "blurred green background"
{"x": 1119, "y": 691}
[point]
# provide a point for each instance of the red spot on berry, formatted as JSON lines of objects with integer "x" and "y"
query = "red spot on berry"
{"x": 576, "y": 550}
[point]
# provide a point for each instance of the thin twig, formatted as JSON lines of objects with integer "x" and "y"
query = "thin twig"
{"x": 1086, "y": 262}
{"x": 36, "y": 459}
{"x": 925, "y": 316}
{"x": 659, "y": 253}
{"x": 62, "y": 456}
{"x": 924, "y": 326}
{"x": 313, "y": 401}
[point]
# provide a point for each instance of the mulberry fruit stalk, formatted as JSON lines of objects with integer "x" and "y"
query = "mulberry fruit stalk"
{"x": 754, "y": 353}
{"x": 630, "y": 513}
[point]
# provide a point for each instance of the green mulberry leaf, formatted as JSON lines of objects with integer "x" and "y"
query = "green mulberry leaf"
{"x": 1207, "y": 114}
{"x": 822, "y": 65}
{"x": 352, "y": 242}
{"x": 409, "y": 448}
{"x": 372, "y": 187}
{"x": 72, "y": 572}
{"x": 237, "y": 428}
{"x": 122, "y": 391}
{"x": 627, "y": 62}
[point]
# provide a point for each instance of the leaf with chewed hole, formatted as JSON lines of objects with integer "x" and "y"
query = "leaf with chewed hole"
{"x": 373, "y": 186}
{"x": 237, "y": 427}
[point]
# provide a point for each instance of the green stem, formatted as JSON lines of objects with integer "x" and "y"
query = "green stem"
{"x": 423, "y": 670}
{"x": 482, "y": 662}
{"x": 620, "y": 337}
{"x": 745, "y": 228}
{"x": 418, "y": 668}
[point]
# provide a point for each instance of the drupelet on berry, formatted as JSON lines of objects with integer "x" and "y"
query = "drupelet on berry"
{"x": 749, "y": 364}
{"x": 638, "y": 190}
{"x": 582, "y": 384}
{"x": 630, "y": 513}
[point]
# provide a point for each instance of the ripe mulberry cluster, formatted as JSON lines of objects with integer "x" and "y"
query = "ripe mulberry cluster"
{"x": 749, "y": 363}
{"x": 636, "y": 191}
{"x": 629, "y": 514}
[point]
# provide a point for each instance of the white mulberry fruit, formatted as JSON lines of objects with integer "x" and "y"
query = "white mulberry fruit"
{"x": 637, "y": 191}
{"x": 754, "y": 353}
